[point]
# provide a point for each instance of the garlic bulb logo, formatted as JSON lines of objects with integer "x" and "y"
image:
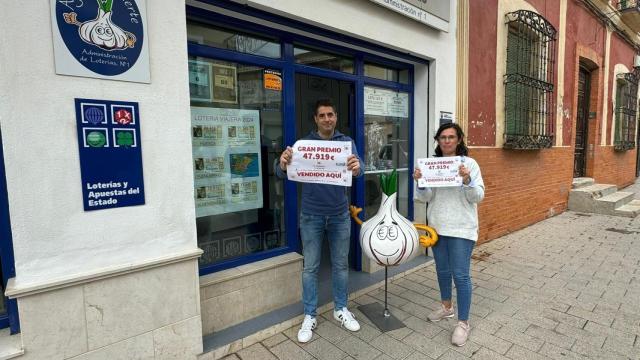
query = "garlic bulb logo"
{"x": 102, "y": 31}
{"x": 388, "y": 238}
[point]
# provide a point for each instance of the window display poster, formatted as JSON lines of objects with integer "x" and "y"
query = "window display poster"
{"x": 110, "y": 153}
{"x": 227, "y": 162}
{"x": 225, "y": 84}
{"x": 383, "y": 102}
{"x": 200, "y": 81}
{"x": 251, "y": 93}
{"x": 272, "y": 80}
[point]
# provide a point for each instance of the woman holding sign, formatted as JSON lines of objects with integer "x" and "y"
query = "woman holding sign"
{"x": 453, "y": 213}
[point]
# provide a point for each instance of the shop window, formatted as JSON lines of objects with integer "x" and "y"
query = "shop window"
{"x": 386, "y": 73}
{"x": 236, "y": 121}
{"x": 529, "y": 102}
{"x": 233, "y": 40}
{"x": 386, "y": 124}
{"x": 323, "y": 59}
{"x": 625, "y": 111}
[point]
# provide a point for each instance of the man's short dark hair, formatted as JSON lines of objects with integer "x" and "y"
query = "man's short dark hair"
{"x": 324, "y": 102}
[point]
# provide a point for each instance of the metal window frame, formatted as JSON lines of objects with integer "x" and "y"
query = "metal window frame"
{"x": 289, "y": 68}
{"x": 626, "y": 111}
{"x": 529, "y": 81}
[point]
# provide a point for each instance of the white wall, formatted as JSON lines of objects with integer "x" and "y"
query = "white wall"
{"x": 53, "y": 236}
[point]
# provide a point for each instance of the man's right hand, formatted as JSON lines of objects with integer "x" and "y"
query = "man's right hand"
{"x": 285, "y": 158}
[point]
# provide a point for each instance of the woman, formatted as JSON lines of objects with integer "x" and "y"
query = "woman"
{"x": 453, "y": 213}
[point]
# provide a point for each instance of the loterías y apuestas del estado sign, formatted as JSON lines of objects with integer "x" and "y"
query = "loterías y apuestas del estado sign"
{"x": 101, "y": 38}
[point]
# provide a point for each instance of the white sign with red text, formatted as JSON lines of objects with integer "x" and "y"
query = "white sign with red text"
{"x": 440, "y": 171}
{"x": 320, "y": 162}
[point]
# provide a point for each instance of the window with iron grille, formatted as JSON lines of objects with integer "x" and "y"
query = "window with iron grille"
{"x": 625, "y": 111}
{"x": 529, "y": 102}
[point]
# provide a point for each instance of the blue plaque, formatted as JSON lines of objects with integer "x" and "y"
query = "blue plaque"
{"x": 110, "y": 153}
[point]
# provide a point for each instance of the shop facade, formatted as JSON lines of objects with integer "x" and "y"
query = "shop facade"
{"x": 214, "y": 241}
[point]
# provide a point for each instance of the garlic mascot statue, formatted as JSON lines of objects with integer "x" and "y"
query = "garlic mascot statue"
{"x": 388, "y": 238}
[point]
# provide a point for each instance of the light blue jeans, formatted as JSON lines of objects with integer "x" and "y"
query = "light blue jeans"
{"x": 453, "y": 260}
{"x": 338, "y": 232}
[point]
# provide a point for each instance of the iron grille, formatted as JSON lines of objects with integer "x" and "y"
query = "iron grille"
{"x": 529, "y": 102}
{"x": 626, "y": 109}
{"x": 622, "y": 5}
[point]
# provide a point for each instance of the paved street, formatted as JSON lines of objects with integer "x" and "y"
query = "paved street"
{"x": 565, "y": 288}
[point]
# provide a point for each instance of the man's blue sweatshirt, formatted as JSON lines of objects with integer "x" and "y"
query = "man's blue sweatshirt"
{"x": 324, "y": 199}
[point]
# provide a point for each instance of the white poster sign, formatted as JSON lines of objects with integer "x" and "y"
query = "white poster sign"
{"x": 320, "y": 162}
{"x": 383, "y": 102}
{"x": 440, "y": 171}
{"x": 103, "y": 39}
{"x": 227, "y": 162}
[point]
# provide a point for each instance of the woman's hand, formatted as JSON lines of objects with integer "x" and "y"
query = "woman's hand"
{"x": 285, "y": 158}
{"x": 465, "y": 174}
{"x": 353, "y": 165}
{"x": 417, "y": 174}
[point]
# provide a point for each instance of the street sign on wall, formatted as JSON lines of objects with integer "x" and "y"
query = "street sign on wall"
{"x": 434, "y": 13}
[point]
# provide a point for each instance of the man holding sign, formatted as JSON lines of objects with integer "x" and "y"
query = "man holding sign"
{"x": 324, "y": 161}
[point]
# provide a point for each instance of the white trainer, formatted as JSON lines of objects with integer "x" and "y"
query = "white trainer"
{"x": 460, "y": 334}
{"x": 306, "y": 329}
{"x": 441, "y": 313}
{"x": 346, "y": 319}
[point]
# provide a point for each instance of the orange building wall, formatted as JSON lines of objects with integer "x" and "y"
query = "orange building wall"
{"x": 521, "y": 187}
{"x": 615, "y": 167}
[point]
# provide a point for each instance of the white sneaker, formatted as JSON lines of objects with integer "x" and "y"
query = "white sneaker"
{"x": 441, "y": 313}
{"x": 306, "y": 329}
{"x": 460, "y": 334}
{"x": 346, "y": 319}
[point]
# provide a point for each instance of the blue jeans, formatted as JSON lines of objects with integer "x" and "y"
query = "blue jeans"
{"x": 453, "y": 260}
{"x": 312, "y": 231}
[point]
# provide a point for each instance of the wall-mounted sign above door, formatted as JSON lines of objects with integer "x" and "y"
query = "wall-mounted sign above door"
{"x": 104, "y": 39}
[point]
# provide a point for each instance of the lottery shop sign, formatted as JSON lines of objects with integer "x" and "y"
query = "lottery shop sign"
{"x": 110, "y": 153}
{"x": 101, "y": 39}
{"x": 320, "y": 162}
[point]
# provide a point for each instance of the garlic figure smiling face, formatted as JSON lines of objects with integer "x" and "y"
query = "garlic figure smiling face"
{"x": 103, "y": 33}
{"x": 388, "y": 238}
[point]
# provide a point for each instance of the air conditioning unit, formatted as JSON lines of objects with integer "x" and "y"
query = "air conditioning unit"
{"x": 636, "y": 61}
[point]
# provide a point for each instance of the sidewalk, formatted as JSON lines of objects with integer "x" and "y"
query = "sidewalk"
{"x": 565, "y": 288}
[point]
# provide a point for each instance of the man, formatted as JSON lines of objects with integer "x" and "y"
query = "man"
{"x": 324, "y": 211}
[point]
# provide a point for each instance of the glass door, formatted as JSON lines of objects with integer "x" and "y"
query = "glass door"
{"x": 386, "y": 126}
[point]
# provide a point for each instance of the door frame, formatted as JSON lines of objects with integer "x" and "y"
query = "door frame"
{"x": 10, "y": 319}
{"x": 585, "y": 124}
